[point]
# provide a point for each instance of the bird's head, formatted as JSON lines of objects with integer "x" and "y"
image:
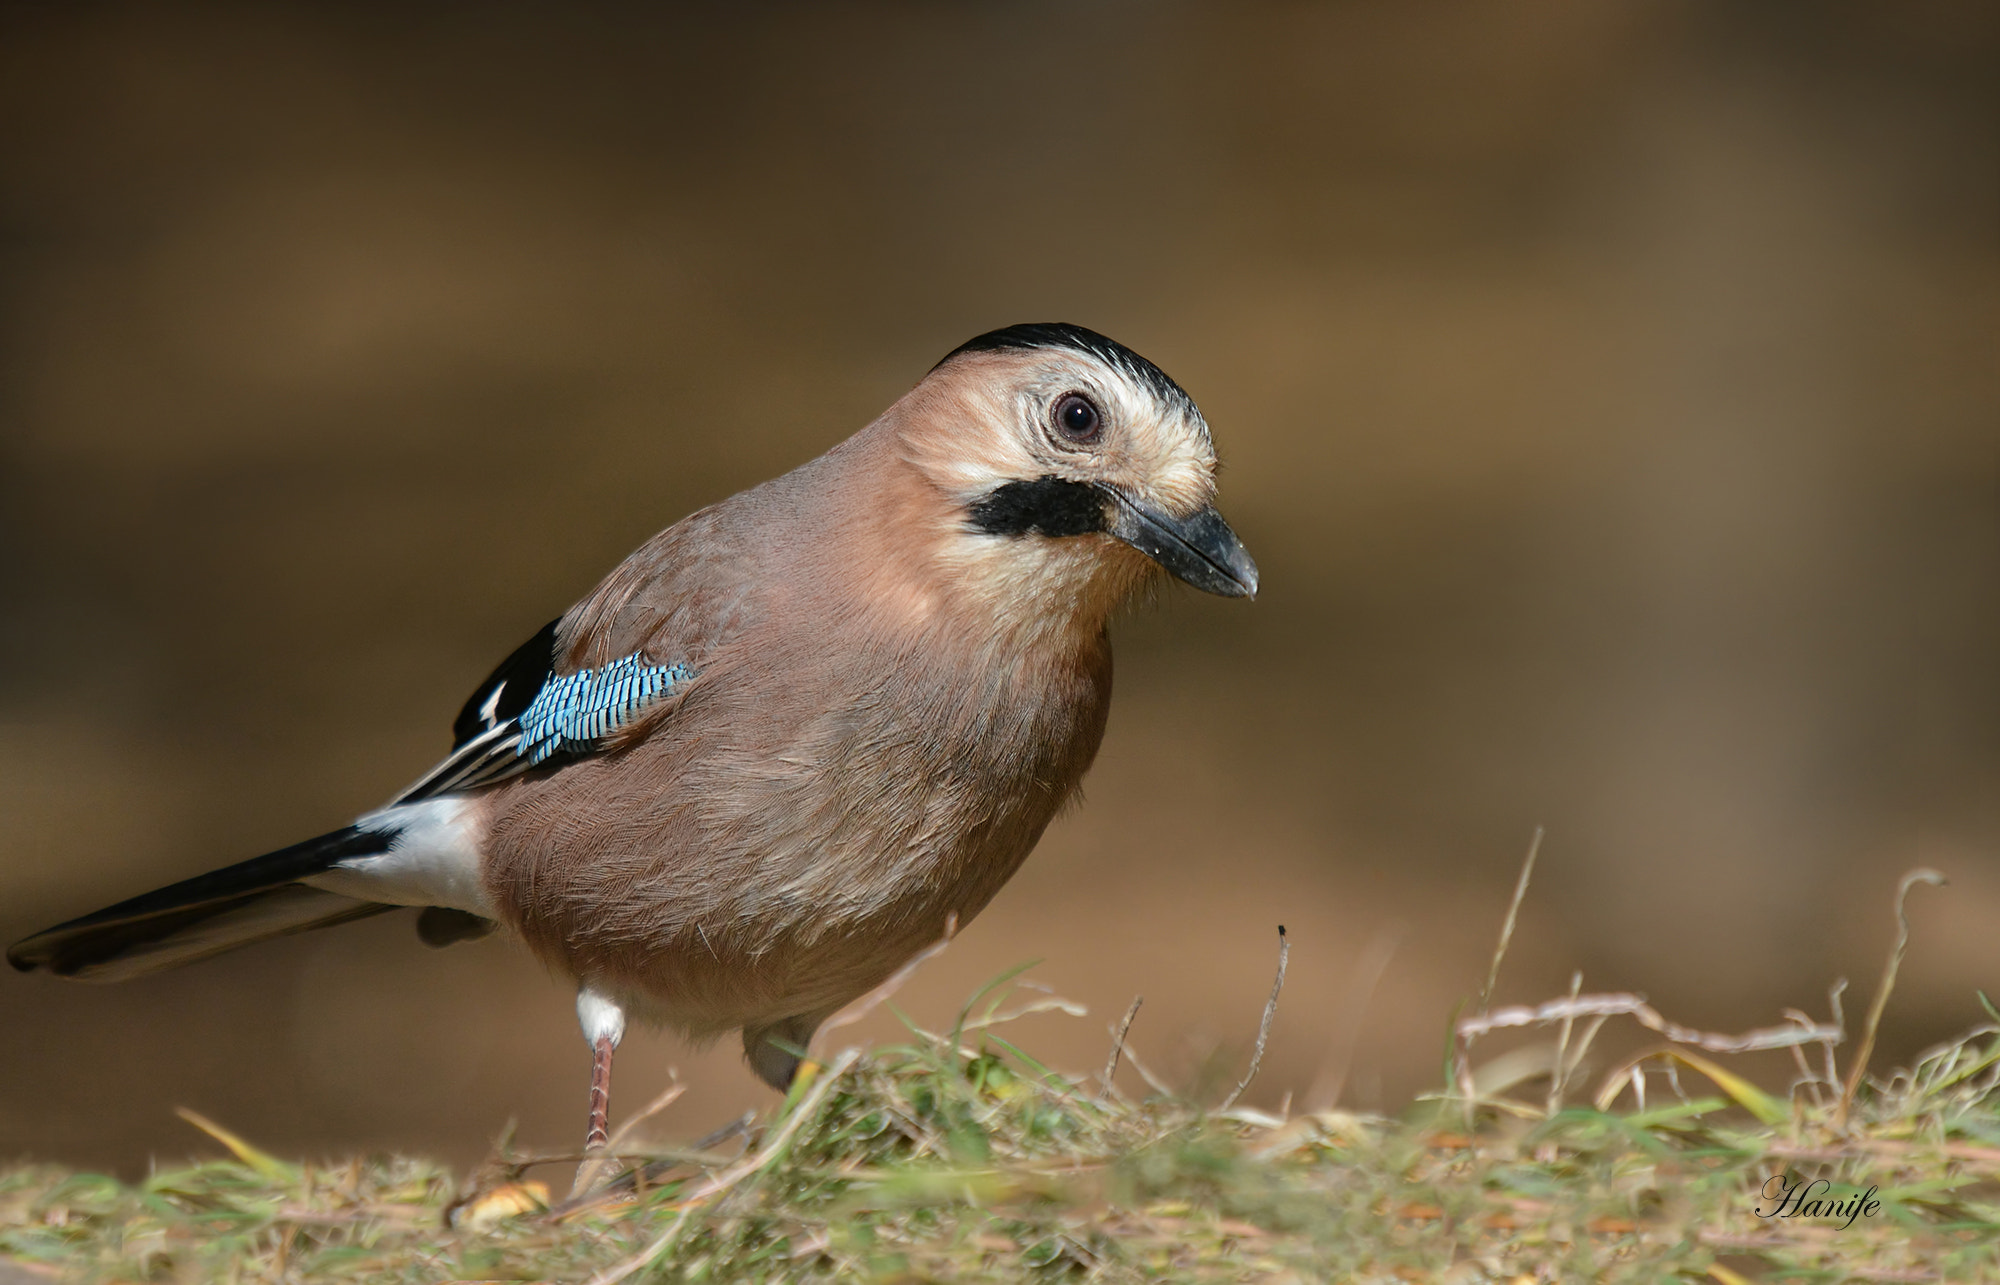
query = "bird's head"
{"x": 1071, "y": 463}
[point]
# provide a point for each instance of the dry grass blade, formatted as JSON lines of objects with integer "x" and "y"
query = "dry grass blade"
{"x": 1263, "y": 1026}
{"x": 1513, "y": 914}
{"x": 1154, "y": 1082}
{"x": 263, "y": 1162}
{"x": 1559, "y": 1072}
{"x": 1046, "y": 1004}
{"x": 1625, "y": 1004}
{"x": 874, "y": 999}
{"x": 668, "y": 1096}
{"x": 1766, "y": 1108}
{"x": 1118, "y": 1035}
{"x": 1876, "y": 1007}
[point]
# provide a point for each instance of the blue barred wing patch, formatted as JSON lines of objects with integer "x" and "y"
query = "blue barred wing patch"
{"x": 577, "y": 709}
{"x": 502, "y": 733}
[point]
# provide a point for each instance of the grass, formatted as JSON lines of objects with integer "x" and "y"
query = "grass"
{"x": 959, "y": 1157}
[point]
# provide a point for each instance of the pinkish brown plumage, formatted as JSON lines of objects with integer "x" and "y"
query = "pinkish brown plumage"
{"x": 791, "y": 736}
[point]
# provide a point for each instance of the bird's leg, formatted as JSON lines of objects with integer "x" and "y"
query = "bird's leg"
{"x": 603, "y": 1025}
{"x": 600, "y": 1094}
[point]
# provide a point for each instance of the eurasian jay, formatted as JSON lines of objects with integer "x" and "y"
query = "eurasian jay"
{"x": 771, "y": 755}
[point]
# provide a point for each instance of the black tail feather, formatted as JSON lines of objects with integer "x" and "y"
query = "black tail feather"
{"x": 216, "y": 911}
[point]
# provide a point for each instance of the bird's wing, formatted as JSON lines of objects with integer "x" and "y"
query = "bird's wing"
{"x": 527, "y": 714}
{"x": 594, "y": 678}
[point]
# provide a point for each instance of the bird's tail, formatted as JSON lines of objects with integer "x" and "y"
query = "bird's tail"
{"x": 251, "y": 901}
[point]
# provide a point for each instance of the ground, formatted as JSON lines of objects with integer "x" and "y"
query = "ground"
{"x": 958, "y": 1157}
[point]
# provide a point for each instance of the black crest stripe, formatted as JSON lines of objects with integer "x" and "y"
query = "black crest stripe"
{"x": 1062, "y": 334}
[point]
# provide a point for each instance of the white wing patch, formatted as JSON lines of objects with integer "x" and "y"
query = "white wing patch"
{"x": 432, "y": 861}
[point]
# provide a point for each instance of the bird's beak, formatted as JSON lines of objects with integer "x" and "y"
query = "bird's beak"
{"x": 1200, "y": 549}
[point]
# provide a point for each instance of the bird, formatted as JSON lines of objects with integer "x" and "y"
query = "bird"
{"x": 781, "y": 747}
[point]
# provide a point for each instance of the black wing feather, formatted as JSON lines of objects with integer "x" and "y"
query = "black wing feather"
{"x": 514, "y": 684}
{"x": 490, "y": 742}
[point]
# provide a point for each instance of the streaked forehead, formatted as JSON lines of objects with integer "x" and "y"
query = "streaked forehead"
{"x": 1059, "y": 336}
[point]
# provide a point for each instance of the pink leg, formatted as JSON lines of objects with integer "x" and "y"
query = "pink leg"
{"x": 600, "y": 1094}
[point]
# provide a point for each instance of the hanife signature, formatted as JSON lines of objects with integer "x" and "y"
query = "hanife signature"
{"x": 1802, "y": 1199}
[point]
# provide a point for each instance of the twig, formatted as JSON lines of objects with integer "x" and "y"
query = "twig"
{"x": 1507, "y": 924}
{"x": 1263, "y": 1027}
{"x": 1622, "y": 1004}
{"x": 1123, "y": 1028}
{"x": 807, "y": 1108}
{"x": 1862, "y": 1053}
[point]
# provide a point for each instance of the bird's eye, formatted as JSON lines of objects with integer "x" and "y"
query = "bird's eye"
{"x": 1076, "y": 419}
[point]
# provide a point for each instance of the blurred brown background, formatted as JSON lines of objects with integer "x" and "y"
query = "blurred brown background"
{"x": 1609, "y": 393}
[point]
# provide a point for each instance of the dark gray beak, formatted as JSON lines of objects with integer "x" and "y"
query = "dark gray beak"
{"x": 1200, "y": 549}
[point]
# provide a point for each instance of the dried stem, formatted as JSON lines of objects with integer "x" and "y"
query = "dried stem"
{"x": 1119, "y": 1033}
{"x": 1859, "y": 1067}
{"x": 1263, "y": 1027}
{"x": 1559, "y": 1070}
{"x": 1635, "y": 1007}
{"x": 1513, "y": 912}
{"x": 1154, "y": 1082}
{"x": 874, "y": 999}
